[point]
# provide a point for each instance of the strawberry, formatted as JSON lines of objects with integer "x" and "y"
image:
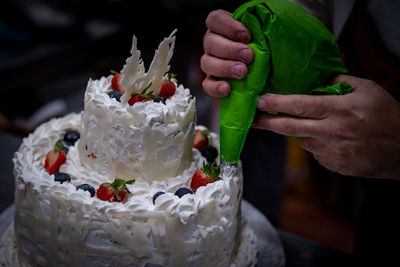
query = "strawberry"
{"x": 208, "y": 174}
{"x": 55, "y": 158}
{"x": 115, "y": 82}
{"x": 200, "y": 139}
{"x": 115, "y": 191}
{"x": 137, "y": 98}
{"x": 142, "y": 97}
{"x": 168, "y": 88}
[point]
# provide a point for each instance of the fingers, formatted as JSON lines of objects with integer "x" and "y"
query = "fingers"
{"x": 346, "y": 78}
{"x": 355, "y": 82}
{"x": 288, "y": 126}
{"x": 312, "y": 145}
{"x": 225, "y": 54}
{"x": 342, "y": 167}
{"x": 322, "y": 152}
{"x": 306, "y": 106}
{"x": 216, "y": 88}
{"x": 333, "y": 156}
{"x": 327, "y": 162}
{"x": 222, "y": 68}
{"x": 221, "y": 22}
{"x": 218, "y": 46}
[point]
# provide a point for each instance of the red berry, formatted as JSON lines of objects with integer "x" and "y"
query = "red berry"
{"x": 115, "y": 191}
{"x": 199, "y": 179}
{"x": 202, "y": 177}
{"x": 106, "y": 193}
{"x": 167, "y": 89}
{"x": 142, "y": 97}
{"x": 55, "y": 158}
{"x": 200, "y": 139}
{"x": 115, "y": 83}
{"x": 137, "y": 98}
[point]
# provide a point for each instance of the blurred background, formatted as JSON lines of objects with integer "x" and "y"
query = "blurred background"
{"x": 50, "y": 48}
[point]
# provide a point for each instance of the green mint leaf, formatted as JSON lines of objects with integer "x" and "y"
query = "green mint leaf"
{"x": 58, "y": 146}
{"x": 114, "y": 72}
{"x": 171, "y": 76}
{"x": 205, "y": 132}
{"x": 150, "y": 95}
{"x": 116, "y": 193}
{"x": 125, "y": 189}
{"x": 212, "y": 170}
{"x": 145, "y": 89}
{"x": 117, "y": 182}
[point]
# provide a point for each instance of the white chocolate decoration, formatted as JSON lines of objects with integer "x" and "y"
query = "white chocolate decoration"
{"x": 134, "y": 78}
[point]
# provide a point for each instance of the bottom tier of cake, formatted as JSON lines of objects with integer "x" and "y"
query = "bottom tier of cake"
{"x": 245, "y": 255}
{"x": 58, "y": 225}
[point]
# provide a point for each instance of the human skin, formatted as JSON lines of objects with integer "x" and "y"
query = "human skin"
{"x": 357, "y": 134}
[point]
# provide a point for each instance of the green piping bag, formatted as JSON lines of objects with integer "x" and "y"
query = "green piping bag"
{"x": 294, "y": 54}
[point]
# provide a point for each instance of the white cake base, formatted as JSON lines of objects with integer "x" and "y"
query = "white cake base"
{"x": 246, "y": 254}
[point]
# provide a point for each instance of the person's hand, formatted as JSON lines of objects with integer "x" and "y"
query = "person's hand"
{"x": 356, "y": 134}
{"x": 225, "y": 52}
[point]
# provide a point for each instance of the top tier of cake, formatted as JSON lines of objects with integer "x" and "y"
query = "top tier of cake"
{"x": 151, "y": 140}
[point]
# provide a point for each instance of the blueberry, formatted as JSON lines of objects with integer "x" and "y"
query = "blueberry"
{"x": 183, "y": 191}
{"x": 87, "y": 187}
{"x": 65, "y": 149}
{"x": 160, "y": 99}
{"x": 71, "y": 137}
{"x": 62, "y": 177}
{"x": 156, "y": 195}
{"x": 210, "y": 153}
{"x": 115, "y": 94}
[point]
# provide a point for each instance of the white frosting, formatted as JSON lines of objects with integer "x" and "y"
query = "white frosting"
{"x": 246, "y": 254}
{"x": 57, "y": 225}
{"x": 148, "y": 140}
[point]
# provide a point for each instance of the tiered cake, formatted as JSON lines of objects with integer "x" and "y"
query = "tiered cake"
{"x": 120, "y": 189}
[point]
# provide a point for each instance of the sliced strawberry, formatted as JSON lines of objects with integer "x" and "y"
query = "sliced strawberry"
{"x": 115, "y": 83}
{"x": 107, "y": 193}
{"x": 168, "y": 88}
{"x": 115, "y": 191}
{"x": 55, "y": 158}
{"x": 207, "y": 174}
{"x": 142, "y": 97}
{"x": 200, "y": 139}
{"x": 137, "y": 98}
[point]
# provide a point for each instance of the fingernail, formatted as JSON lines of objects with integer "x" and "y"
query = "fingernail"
{"x": 261, "y": 104}
{"x": 243, "y": 36}
{"x": 237, "y": 71}
{"x": 245, "y": 55}
{"x": 223, "y": 90}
